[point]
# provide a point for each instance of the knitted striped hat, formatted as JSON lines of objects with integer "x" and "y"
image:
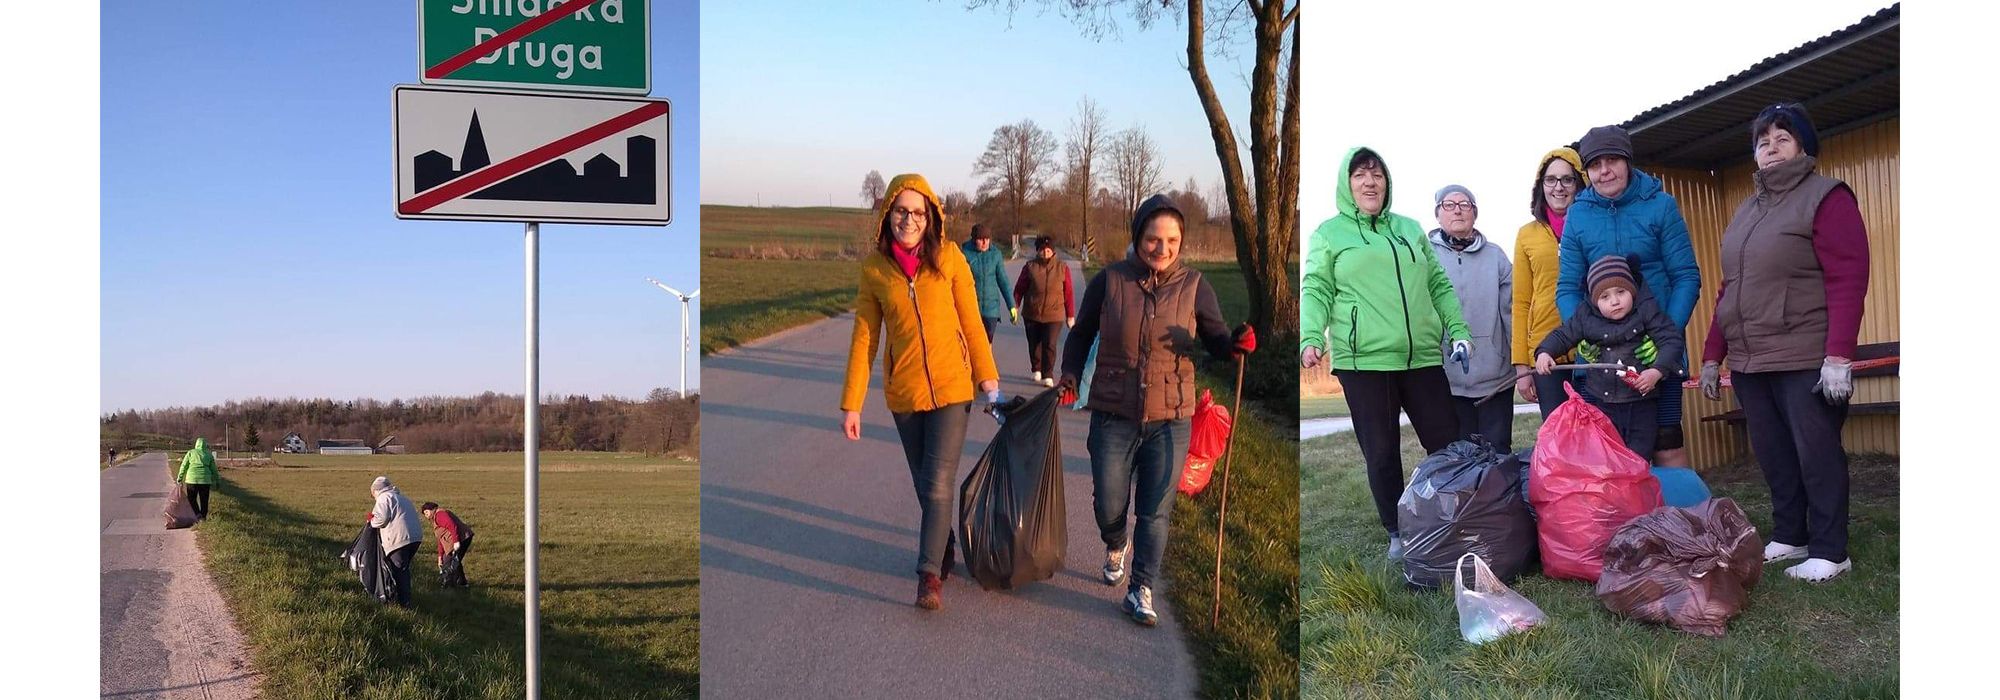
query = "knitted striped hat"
{"x": 1610, "y": 270}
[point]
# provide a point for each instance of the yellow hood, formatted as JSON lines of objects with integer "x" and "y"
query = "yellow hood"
{"x": 910, "y": 181}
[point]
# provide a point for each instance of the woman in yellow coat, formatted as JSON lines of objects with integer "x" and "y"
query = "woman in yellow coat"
{"x": 916, "y": 302}
{"x": 1557, "y": 181}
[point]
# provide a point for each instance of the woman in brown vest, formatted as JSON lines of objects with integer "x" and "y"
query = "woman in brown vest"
{"x": 1795, "y": 273}
{"x": 1043, "y": 294}
{"x": 1150, "y": 312}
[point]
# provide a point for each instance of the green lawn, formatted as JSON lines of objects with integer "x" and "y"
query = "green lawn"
{"x": 1255, "y": 652}
{"x": 747, "y": 299}
{"x": 1365, "y": 635}
{"x": 619, "y": 577}
{"x": 1311, "y": 407}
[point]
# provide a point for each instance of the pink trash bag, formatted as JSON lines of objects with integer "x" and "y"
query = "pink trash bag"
{"x": 1585, "y": 485}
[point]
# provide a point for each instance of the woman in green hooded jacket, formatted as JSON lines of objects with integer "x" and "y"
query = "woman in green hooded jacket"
{"x": 1374, "y": 301}
{"x": 196, "y": 474}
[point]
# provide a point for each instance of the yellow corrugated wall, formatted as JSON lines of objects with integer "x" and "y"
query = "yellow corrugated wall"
{"x": 1867, "y": 159}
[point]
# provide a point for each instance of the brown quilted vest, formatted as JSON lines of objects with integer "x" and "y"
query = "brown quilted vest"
{"x": 1042, "y": 298}
{"x": 1146, "y": 343}
{"x": 1773, "y": 311}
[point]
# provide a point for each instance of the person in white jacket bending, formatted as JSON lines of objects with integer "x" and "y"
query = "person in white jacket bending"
{"x": 402, "y": 530}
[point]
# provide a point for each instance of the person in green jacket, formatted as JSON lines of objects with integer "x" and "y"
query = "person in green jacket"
{"x": 989, "y": 279}
{"x": 1374, "y": 302}
{"x": 196, "y": 474}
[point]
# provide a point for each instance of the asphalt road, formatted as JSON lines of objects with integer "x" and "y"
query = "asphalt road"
{"x": 808, "y": 552}
{"x": 163, "y": 630}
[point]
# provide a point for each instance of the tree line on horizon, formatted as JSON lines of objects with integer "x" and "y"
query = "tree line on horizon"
{"x": 663, "y": 423}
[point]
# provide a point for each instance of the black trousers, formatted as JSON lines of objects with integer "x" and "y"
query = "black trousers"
{"x": 1796, "y": 438}
{"x": 1042, "y": 340}
{"x": 1638, "y": 423}
{"x": 1493, "y": 419}
{"x": 1374, "y": 399}
{"x": 197, "y": 496}
{"x": 990, "y": 322}
{"x": 932, "y": 441}
{"x": 399, "y": 568}
{"x": 458, "y": 558}
{"x": 1549, "y": 391}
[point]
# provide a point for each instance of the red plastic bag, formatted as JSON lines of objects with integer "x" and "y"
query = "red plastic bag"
{"x": 1585, "y": 485}
{"x": 1206, "y": 442}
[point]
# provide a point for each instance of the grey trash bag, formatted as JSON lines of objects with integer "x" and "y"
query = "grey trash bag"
{"x": 1464, "y": 499}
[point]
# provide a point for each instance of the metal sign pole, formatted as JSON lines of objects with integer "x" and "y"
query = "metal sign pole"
{"x": 684, "y": 348}
{"x": 531, "y": 441}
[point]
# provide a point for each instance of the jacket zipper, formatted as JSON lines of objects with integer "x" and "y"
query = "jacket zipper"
{"x": 923, "y": 344}
{"x": 1409, "y": 340}
{"x": 1353, "y": 335}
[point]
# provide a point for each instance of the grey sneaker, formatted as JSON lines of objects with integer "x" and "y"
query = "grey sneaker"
{"x": 1114, "y": 564}
{"x": 1395, "y": 548}
{"x": 1139, "y": 604}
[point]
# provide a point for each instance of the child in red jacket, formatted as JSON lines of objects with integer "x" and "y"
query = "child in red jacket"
{"x": 454, "y": 539}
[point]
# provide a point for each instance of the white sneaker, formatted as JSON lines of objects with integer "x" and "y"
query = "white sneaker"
{"x": 1037, "y": 377}
{"x": 1819, "y": 570}
{"x": 1048, "y": 381}
{"x": 1139, "y": 604}
{"x": 1778, "y": 551}
{"x": 1395, "y": 549}
{"x": 1114, "y": 565}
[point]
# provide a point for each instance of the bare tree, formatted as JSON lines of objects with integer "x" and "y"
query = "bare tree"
{"x": 1086, "y": 139}
{"x": 1263, "y": 206}
{"x": 1135, "y": 168}
{"x": 957, "y": 204}
{"x": 1017, "y": 159}
{"x": 872, "y": 188}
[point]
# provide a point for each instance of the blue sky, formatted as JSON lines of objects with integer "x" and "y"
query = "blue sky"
{"x": 249, "y": 246}
{"x": 805, "y": 98}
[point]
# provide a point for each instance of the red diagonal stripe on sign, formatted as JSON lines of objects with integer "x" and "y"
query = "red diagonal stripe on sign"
{"x": 502, "y": 39}
{"x": 480, "y": 179}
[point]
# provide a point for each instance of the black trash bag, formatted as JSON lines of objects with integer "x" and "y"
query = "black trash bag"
{"x": 452, "y": 573}
{"x": 1464, "y": 498}
{"x": 1526, "y": 458}
{"x": 1011, "y": 520}
{"x": 364, "y": 557}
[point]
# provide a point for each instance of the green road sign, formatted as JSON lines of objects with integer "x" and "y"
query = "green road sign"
{"x": 580, "y": 45}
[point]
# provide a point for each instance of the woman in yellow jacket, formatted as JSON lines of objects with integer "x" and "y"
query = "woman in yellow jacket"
{"x": 917, "y": 303}
{"x": 1557, "y": 181}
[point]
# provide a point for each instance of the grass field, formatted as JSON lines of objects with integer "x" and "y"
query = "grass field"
{"x": 746, "y": 299}
{"x": 619, "y": 577}
{"x": 1311, "y": 407}
{"x": 1365, "y": 635}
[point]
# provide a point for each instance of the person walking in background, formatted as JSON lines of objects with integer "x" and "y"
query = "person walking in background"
{"x": 1044, "y": 293}
{"x": 1787, "y": 318}
{"x": 1627, "y": 214}
{"x": 1536, "y": 257}
{"x": 454, "y": 542}
{"x": 401, "y": 533}
{"x": 916, "y": 302}
{"x": 1374, "y": 305}
{"x": 989, "y": 280}
{"x": 1629, "y": 329}
{"x": 1484, "y": 281}
{"x": 1147, "y": 314}
{"x": 196, "y": 475}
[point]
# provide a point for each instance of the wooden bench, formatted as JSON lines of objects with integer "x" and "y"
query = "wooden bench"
{"x": 1872, "y": 360}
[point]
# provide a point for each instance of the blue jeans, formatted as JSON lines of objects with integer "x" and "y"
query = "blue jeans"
{"x": 1127, "y": 456}
{"x": 931, "y": 443}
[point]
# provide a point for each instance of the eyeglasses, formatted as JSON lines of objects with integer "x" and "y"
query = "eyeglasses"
{"x": 1562, "y": 181}
{"x": 902, "y": 213}
{"x": 1457, "y": 206}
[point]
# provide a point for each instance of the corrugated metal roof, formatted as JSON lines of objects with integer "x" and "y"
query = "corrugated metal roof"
{"x": 1846, "y": 80}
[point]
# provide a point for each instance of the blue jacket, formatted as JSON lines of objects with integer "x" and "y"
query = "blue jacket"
{"x": 1644, "y": 223}
{"x": 989, "y": 279}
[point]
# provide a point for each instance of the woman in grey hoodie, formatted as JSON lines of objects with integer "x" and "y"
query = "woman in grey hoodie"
{"x": 402, "y": 530}
{"x": 1483, "y": 280}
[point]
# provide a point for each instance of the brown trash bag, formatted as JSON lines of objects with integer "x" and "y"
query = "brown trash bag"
{"x": 179, "y": 512}
{"x": 1689, "y": 568}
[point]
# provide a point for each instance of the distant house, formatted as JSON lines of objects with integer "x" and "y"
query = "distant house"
{"x": 389, "y": 446}
{"x": 345, "y": 447}
{"x": 293, "y": 444}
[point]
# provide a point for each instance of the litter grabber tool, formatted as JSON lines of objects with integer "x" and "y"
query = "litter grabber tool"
{"x": 1854, "y": 366}
{"x": 1222, "y": 512}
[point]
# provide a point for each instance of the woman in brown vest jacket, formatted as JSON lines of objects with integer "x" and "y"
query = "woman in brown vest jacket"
{"x": 1043, "y": 294}
{"x": 1149, "y": 312}
{"x": 1795, "y": 273}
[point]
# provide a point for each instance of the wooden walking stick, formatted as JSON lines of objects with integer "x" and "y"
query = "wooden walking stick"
{"x": 1228, "y": 445}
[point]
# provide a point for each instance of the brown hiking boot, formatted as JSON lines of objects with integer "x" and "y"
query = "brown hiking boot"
{"x": 930, "y": 591}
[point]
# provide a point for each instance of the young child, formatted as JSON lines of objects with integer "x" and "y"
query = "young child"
{"x": 454, "y": 541}
{"x": 1625, "y": 327}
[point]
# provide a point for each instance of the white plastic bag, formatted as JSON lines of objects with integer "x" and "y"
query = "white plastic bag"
{"x": 1490, "y": 610}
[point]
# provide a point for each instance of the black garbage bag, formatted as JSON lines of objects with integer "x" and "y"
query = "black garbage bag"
{"x": 1526, "y": 458}
{"x": 364, "y": 557}
{"x": 1464, "y": 498}
{"x": 1010, "y": 508}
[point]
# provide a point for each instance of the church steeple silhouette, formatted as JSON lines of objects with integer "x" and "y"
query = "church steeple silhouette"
{"x": 474, "y": 156}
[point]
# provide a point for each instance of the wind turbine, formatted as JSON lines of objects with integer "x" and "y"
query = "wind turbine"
{"x": 685, "y": 298}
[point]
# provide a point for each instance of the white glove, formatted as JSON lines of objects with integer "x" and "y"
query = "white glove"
{"x": 1836, "y": 380}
